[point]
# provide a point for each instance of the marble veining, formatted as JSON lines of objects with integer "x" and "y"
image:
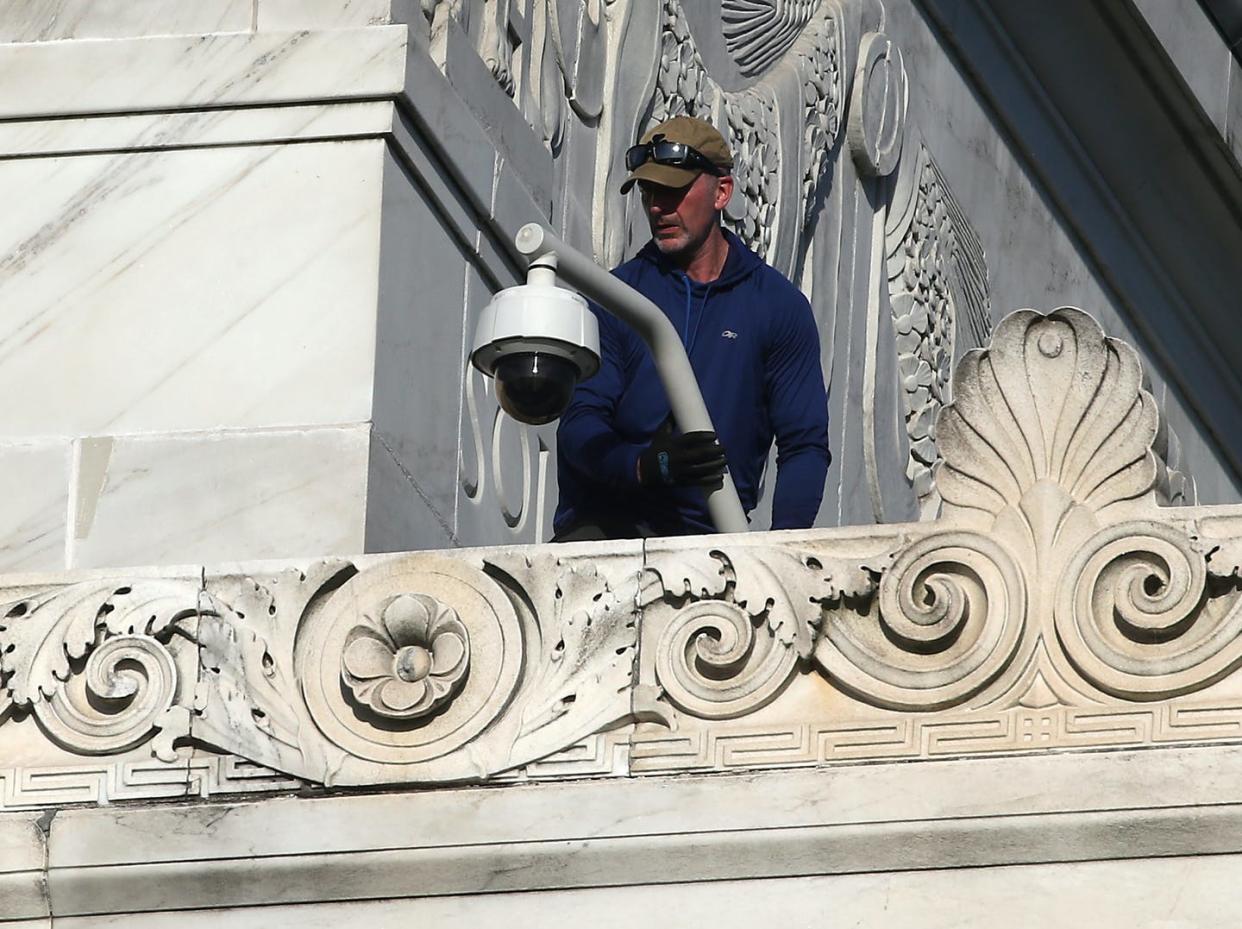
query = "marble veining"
{"x": 195, "y": 129}
{"x": 54, "y": 20}
{"x": 104, "y": 262}
{"x": 221, "y": 69}
{"x": 321, "y": 14}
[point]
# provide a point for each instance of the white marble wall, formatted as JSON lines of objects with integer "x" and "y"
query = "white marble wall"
{"x": 171, "y": 498}
{"x": 33, "y": 510}
{"x": 186, "y": 309}
{"x": 188, "y": 324}
{"x": 51, "y": 20}
{"x": 237, "y": 281}
{"x": 1172, "y": 893}
{"x": 206, "y": 288}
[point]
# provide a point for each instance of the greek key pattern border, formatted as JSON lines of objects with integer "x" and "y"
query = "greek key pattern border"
{"x": 199, "y": 776}
{"x": 205, "y": 776}
{"x": 1016, "y": 730}
{"x": 618, "y": 753}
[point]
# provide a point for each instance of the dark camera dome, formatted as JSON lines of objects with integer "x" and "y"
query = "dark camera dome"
{"x": 534, "y": 387}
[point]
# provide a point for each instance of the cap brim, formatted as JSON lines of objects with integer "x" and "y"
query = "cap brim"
{"x": 664, "y": 175}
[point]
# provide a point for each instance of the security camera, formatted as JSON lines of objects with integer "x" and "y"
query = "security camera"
{"x": 538, "y": 341}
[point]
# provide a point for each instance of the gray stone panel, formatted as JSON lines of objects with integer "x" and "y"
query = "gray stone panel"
{"x": 1198, "y": 52}
{"x": 400, "y": 516}
{"x": 507, "y": 130}
{"x": 420, "y": 346}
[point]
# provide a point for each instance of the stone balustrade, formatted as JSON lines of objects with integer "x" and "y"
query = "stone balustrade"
{"x": 1053, "y": 605}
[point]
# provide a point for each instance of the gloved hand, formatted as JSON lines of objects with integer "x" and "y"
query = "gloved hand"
{"x": 680, "y": 460}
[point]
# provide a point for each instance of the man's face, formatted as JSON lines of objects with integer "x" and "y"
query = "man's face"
{"x": 682, "y": 218}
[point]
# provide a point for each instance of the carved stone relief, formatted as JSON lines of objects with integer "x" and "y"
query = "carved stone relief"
{"x": 937, "y": 284}
{"x": 1053, "y": 604}
{"x": 780, "y": 128}
{"x": 789, "y": 84}
{"x": 759, "y": 32}
{"x": 550, "y": 58}
{"x": 580, "y": 77}
{"x": 418, "y": 667}
{"x": 97, "y": 663}
{"x": 411, "y": 661}
{"x": 1051, "y": 597}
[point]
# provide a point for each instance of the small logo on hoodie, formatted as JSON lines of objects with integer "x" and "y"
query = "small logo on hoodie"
{"x": 728, "y": 334}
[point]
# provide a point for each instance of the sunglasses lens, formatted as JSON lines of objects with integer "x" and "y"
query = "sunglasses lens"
{"x": 673, "y": 154}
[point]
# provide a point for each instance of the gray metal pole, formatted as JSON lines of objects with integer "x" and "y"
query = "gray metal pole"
{"x": 628, "y": 305}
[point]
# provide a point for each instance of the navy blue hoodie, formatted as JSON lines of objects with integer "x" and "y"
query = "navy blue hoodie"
{"x": 754, "y": 346}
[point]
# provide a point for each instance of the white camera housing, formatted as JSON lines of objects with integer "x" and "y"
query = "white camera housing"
{"x": 538, "y": 341}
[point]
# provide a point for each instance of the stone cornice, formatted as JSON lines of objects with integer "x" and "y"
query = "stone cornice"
{"x": 1053, "y": 605}
{"x": 159, "y": 73}
{"x": 637, "y": 833}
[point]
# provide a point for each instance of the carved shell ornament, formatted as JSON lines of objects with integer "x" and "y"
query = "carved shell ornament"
{"x": 759, "y": 32}
{"x": 1050, "y": 418}
{"x": 409, "y": 662}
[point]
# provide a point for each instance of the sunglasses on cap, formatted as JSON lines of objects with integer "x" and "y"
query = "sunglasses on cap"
{"x": 673, "y": 154}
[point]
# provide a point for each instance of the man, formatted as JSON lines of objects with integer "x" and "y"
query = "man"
{"x": 624, "y": 472}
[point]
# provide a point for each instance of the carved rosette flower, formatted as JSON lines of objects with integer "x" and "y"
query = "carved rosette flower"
{"x": 411, "y": 661}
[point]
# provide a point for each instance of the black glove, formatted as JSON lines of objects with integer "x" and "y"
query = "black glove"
{"x": 679, "y": 460}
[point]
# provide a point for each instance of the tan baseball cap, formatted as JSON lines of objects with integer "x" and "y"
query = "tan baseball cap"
{"x": 689, "y": 130}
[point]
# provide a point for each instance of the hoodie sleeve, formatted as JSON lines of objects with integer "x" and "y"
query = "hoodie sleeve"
{"x": 798, "y": 409}
{"x": 585, "y": 438}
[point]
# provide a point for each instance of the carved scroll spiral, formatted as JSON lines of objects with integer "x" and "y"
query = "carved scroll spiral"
{"x": 128, "y": 683}
{"x": 1134, "y": 618}
{"x": 951, "y": 611}
{"x": 96, "y": 662}
{"x": 712, "y": 663}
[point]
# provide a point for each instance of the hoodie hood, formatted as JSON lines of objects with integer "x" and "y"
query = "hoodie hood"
{"x": 740, "y": 264}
